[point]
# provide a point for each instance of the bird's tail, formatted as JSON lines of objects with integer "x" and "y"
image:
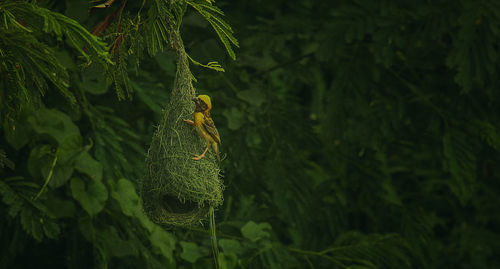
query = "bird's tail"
{"x": 215, "y": 146}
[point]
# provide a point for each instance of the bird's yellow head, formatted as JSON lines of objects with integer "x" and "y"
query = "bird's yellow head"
{"x": 202, "y": 103}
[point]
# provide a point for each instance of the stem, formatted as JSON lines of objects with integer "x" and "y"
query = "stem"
{"x": 213, "y": 236}
{"x": 49, "y": 176}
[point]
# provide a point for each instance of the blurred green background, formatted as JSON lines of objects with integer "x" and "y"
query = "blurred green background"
{"x": 355, "y": 134}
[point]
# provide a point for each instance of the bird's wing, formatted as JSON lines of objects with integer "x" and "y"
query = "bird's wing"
{"x": 209, "y": 127}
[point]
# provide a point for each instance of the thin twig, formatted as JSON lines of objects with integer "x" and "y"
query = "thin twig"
{"x": 49, "y": 176}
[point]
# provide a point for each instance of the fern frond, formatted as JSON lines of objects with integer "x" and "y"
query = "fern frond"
{"x": 35, "y": 218}
{"x": 11, "y": 199}
{"x": 30, "y": 62}
{"x": 157, "y": 31}
{"x": 9, "y": 18}
{"x": 488, "y": 132}
{"x": 460, "y": 154}
{"x": 474, "y": 54}
{"x": 38, "y": 18}
{"x": 4, "y": 161}
{"x": 210, "y": 65}
{"x": 114, "y": 140}
{"x": 120, "y": 77}
{"x": 214, "y": 16}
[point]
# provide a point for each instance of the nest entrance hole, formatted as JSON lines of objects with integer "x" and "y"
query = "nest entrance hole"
{"x": 173, "y": 205}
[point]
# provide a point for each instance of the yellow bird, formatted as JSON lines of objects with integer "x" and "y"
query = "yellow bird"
{"x": 204, "y": 125}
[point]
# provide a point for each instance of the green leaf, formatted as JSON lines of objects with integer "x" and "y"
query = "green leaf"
{"x": 91, "y": 196}
{"x": 40, "y": 164}
{"x": 31, "y": 224}
{"x": 210, "y": 65}
{"x": 38, "y": 224}
{"x": 488, "y": 132}
{"x": 61, "y": 175}
{"x": 114, "y": 245}
{"x": 88, "y": 165}
{"x": 39, "y": 161}
{"x": 458, "y": 151}
{"x": 124, "y": 193}
{"x": 11, "y": 198}
{"x": 51, "y": 229}
{"x": 230, "y": 246}
{"x": 255, "y": 232}
{"x": 214, "y": 16}
{"x": 192, "y": 252}
{"x": 227, "y": 260}
{"x": 6, "y": 162}
{"x": 54, "y": 124}
{"x": 391, "y": 194}
{"x": 163, "y": 242}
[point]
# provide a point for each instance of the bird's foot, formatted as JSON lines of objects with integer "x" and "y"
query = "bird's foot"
{"x": 198, "y": 157}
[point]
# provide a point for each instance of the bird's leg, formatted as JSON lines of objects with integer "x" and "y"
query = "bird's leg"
{"x": 190, "y": 122}
{"x": 199, "y": 157}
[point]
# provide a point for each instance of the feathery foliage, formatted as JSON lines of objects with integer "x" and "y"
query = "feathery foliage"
{"x": 29, "y": 64}
{"x": 214, "y": 16}
{"x": 357, "y": 134}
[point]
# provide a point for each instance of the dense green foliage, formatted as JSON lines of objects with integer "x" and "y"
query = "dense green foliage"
{"x": 355, "y": 134}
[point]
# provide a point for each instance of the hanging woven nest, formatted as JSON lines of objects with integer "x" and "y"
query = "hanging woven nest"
{"x": 177, "y": 190}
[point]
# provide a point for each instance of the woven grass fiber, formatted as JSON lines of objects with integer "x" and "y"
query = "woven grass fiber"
{"x": 177, "y": 190}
